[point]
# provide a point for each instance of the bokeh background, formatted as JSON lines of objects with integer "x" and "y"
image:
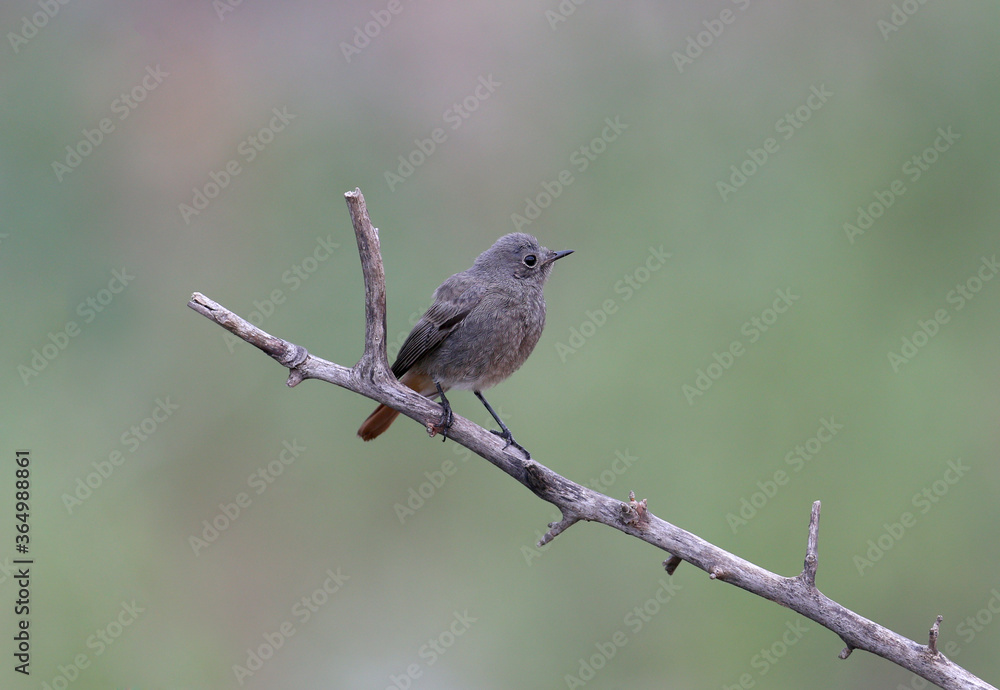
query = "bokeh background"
{"x": 285, "y": 106}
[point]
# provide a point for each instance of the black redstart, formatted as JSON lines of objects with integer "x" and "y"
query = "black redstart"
{"x": 482, "y": 326}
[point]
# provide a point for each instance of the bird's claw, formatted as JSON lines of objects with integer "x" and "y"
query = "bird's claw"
{"x": 443, "y": 424}
{"x": 509, "y": 441}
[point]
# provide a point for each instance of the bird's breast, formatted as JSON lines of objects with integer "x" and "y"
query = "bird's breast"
{"x": 492, "y": 342}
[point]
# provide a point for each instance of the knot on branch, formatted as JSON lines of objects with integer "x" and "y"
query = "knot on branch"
{"x": 634, "y": 512}
{"x": 535, "y": 478}
{"x": 717, "y": 573}
{"x": 290, "y": 355}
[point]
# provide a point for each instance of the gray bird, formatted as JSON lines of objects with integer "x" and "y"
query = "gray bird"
{"x": 481, "y": 327}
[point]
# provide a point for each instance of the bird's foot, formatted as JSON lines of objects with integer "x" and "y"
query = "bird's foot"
{"x": 509, "y": 441}
{"x": 444, "y": 423}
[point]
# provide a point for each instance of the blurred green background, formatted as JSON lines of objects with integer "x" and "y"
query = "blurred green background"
{"x": 274, "y": 110}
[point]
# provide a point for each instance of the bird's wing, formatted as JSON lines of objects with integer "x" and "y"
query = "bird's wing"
{"x": 453, "y": 301}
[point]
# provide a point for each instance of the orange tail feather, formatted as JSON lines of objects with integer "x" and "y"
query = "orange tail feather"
{"x": 379, "y": 420}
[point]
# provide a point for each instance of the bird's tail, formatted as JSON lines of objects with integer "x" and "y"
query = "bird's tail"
{"x": 379, "y": 420}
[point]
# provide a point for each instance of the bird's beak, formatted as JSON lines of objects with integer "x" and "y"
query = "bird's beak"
{"x": 557, "y": 255}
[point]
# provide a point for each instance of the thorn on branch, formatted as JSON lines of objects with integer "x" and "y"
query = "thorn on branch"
{"x": 557, "y": 528}
{"x": 670, "y": 565}
{"x": 535, "y": 479}
{"x": 634, "y": 512}
{"x": 812, "y": 545}
{"x": 932, "y": 638}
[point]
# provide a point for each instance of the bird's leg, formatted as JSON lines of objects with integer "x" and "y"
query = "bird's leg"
{"x": 446, "y": 416}
{"x": 505, "y": 433}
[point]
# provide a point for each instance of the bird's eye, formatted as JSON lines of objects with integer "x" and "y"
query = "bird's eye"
{"x": 530, "y": 260}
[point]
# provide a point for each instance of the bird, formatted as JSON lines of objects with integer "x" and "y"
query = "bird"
{"x": 480, "y": 328}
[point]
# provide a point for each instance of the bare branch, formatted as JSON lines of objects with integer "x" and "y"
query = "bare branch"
{"x": 372, "y": 378}
{"x": 373, "y": 365}
{"x": 285, "y": 353}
